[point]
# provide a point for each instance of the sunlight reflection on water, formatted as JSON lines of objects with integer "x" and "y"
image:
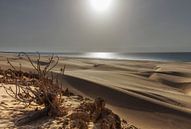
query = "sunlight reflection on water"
{"x": 184, "y": 56}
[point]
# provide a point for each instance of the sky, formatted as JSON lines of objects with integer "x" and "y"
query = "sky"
{"x": 75, "y": 26}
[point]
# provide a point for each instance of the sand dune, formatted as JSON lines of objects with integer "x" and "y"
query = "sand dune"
{"x": 138, "y": 95}
{"x": 143, "y": 113}
{"x": 149, "y": 94}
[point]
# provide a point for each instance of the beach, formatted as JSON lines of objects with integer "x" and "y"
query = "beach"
{"x": 147, "y": 94}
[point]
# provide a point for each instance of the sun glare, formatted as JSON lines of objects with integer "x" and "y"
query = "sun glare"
{"x": 100, "y": 55}
{"x": 100, "y": 5}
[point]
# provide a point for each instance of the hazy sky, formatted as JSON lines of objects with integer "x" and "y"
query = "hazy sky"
{"x": 73, "y": 25}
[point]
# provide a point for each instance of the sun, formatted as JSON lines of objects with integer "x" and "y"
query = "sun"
{"x": 100, "y": 5}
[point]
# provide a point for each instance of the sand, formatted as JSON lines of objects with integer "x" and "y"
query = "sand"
{"x": 147, "y": 94}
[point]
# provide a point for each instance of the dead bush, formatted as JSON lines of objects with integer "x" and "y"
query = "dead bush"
{"x": 39, "y": 88}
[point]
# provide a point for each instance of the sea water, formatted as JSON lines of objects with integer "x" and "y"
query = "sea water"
{"x": 168, "y": 56}
{"x": 186, "y": 57}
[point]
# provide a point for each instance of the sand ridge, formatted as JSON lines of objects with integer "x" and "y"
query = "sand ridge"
{"x": 148, "y": 94}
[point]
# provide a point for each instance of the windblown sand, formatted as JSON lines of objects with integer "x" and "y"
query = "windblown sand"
{"x": 148, "y": 94}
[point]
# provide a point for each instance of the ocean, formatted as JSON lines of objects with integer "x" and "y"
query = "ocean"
{"x": 181, "y": 57}
{"x": 168, "y": 56}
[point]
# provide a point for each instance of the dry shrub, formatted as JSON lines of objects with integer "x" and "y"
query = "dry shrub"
{"x": 97, "y": 113}
{"x": 39, "y": 87}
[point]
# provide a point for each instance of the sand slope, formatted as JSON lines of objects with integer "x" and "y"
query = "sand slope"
{"x": 151, "y": 95}
{"x": 138, "y": 91}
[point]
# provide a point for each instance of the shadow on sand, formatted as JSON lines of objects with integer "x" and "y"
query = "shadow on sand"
{"x": 118, "y": 98}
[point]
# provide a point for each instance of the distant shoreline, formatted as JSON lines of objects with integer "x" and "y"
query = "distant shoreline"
{"x": 156, "y": 56}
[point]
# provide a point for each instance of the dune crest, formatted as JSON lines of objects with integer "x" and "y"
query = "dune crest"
{"x": 148, "y": 94}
